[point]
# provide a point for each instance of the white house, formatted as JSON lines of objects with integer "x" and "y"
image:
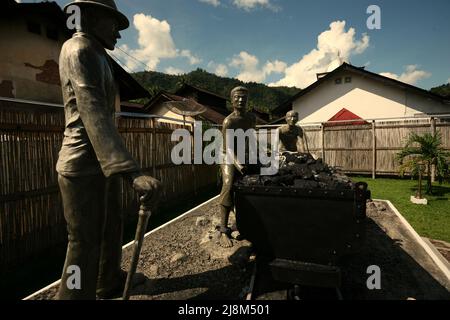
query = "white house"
{"x": 349, "y": 92}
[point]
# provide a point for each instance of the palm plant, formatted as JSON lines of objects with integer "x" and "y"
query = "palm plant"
{"x": 424, "y": 151}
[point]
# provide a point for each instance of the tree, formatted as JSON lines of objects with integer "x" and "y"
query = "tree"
{"x": 182, "y": 80}
{"x": 154, "y": 90}
{"x": 424, "y": 150}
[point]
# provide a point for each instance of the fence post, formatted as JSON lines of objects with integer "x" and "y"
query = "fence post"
{"x": 374, "y": 150}
{"x": 192, "y": 131}
{"x": 153, "y": 143}
{"x": 433, "y": 132}
{"x": 323, "y": 143}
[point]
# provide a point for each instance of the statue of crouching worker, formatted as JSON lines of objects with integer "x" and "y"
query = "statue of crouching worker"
{"x": 239, "y": 119}
{"x": 93, "y": 157}
{"x": 292, "y": 137}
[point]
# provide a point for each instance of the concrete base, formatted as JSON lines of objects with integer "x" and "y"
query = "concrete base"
{"x": 419, "y": 201}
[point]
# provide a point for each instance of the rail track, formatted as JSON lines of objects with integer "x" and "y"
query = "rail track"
{"x": 264, "y": 287}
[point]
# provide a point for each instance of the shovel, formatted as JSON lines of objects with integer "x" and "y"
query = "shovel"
{"x": 144, "y": 215}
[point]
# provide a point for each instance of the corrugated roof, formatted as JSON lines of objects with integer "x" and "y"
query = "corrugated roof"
{"x": 343, "y": 115}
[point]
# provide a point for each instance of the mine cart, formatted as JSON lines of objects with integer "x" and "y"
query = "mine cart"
{"x": 300, "y": 234}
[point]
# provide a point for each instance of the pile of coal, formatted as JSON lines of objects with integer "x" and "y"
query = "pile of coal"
{"x": 301, "y": 170}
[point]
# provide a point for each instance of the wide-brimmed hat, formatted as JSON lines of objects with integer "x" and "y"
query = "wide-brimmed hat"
{"x": 109, "y": 5}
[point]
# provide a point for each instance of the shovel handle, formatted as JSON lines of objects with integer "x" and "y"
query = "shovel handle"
{"x": 144, "y": 215}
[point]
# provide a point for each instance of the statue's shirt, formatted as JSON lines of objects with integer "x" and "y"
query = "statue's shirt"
{"x": 290, "y": 138}
{"x": 234, "y": 122}
{"x": 92, "y": 144}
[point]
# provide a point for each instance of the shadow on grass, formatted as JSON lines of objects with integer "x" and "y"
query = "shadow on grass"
{"x": 441, "y": 191}
{"x": 437, "y": 191}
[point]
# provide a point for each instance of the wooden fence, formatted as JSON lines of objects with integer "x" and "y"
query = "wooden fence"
{"x": 31, "y": 217}
{"x": 370, "y": 148}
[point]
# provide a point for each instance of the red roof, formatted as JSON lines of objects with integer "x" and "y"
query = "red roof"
{"x": 343, "y": 115}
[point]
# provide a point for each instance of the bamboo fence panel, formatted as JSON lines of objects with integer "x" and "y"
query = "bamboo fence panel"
{"x": 351, "y": 147}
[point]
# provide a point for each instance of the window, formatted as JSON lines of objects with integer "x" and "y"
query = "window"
{"x": 348, "y": 79}
{"x": 52, "y": 33}
{"x": 34, "y": 27}
{"x": 338, "y": 81}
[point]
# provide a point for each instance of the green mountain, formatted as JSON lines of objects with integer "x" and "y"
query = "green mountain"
{"x": 262, "y": 97}
{"x": 443, "y": 90}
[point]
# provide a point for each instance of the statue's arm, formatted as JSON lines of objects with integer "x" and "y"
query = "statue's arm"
{"x": 87, "y": 77}
{"x": 303, "y": 141}
{"x": 281, "y": 147}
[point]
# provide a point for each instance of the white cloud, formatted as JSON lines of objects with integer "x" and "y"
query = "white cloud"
{"x": 411, "y": 75}
{"x": 192, "y": 59}
{"x": 214, "y": 3}
{"x": 448, "y": 81}
{"x": 174, "y": 71}
{"x": 250, "y": 69}
{"x": 329, "y": 43}
{"x": 252, "y": 4}
{"x": 219, "y": 69}
{"x": 155, "y": 43}
{"x": 275, "y": 67}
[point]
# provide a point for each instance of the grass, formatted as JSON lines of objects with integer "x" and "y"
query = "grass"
{"x": 432, "y": 220}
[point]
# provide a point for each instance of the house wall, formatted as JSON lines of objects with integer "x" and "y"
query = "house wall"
{"x": 365, "y": 97}
{"x": 29, "y": 61}
{"x": 160, "y": 110}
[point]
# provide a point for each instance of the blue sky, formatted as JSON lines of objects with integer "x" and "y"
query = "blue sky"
{"x": 276, "y": 41}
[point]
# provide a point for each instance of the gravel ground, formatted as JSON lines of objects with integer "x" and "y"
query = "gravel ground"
{"x": 443, "y": 247}
{"x": 407, "y": 271}
{"x": 181, "y": 261}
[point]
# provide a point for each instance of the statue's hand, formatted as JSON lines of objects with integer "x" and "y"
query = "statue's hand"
{"x": 147, "y": 187}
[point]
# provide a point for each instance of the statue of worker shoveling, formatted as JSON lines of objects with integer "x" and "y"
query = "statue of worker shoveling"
{"x": 93, "y": 157}
{"x": 239, "y": 119}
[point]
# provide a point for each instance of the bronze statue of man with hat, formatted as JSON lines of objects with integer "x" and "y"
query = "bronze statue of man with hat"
{"x": 93, "y": 157}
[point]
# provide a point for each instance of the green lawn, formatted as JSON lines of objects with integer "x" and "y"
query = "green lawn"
{"x": 431, "y": 221}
